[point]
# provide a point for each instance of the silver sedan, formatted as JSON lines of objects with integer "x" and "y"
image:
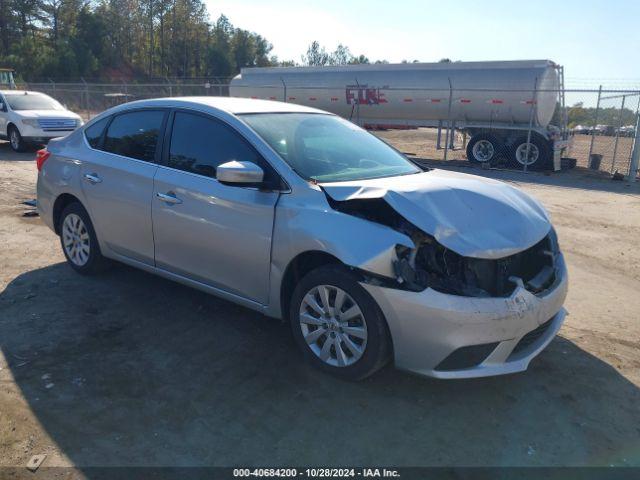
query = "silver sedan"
{"x": 302, "y": 215}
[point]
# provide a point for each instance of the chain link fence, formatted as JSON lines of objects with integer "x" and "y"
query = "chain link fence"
{"x": 612, "y": 131}
{"x": 498, "y": 128}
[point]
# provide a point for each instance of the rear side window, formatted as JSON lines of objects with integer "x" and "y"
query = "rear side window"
{"x": 200, "y": 144}
{"x": 135, "y": 134}
{"x": 94, "y": 132}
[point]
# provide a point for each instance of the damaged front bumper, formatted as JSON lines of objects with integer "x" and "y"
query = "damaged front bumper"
{"x": 449, "y": 336}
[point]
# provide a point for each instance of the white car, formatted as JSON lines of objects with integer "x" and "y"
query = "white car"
{"x": 33, "y": 118}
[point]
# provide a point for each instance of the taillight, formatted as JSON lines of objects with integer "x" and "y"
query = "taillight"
{"x": 41, "y": 157}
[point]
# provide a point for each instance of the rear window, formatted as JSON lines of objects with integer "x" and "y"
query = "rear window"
{"x": 93, "y": 133}
{"x": 135, "y": 134}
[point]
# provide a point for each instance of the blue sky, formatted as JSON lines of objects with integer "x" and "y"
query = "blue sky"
{"x": 597, "y": 42}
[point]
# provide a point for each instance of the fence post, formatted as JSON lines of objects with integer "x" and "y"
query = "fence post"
{"x": 615, "y": 144}
{"x": 531, "y": 113}
{"x": 284, "y": 85}
{"x": 86, "y": 99}
{"x": 452, "y": 138}
{"x": 446, "y": 136}
{"x": 635, "y": 153}
{"x": 439, "y": 136}
{"x": 593, "y": 127}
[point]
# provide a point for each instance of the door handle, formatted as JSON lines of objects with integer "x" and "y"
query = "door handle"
{"x": 169, "y": 198}
{"x": 92, "y": 178}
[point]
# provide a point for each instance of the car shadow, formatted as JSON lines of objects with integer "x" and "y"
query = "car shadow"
{"x": 127, "y": 368}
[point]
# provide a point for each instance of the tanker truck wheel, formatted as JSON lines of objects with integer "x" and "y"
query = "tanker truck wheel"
{"x": 538, "y": 156}
{"x": 484, "y": 148}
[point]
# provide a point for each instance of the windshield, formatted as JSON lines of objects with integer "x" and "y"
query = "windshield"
{"x": 326, "y": 148}
{"x": 32, "y": 101}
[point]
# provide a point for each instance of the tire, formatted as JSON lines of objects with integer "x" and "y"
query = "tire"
{"x": 363, "y": 338}
{"x": 15, "y": 140}
{"x": 86, "y": 257}
{"x": 540, "y": 151}
{"x": 484, "y": 148}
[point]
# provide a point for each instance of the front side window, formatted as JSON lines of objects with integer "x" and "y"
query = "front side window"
{"x": 135, "y": 134}
{"x": 200, "y": 144}
{"x": 31, "y": 101}
{"x": 327, "y": 148}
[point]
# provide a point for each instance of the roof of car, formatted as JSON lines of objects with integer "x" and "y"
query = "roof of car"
{"x": 232, "y": 105}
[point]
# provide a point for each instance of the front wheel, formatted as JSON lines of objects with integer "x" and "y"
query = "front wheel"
{"x": 15, "y": 139}
{"x": 338, "y": 325}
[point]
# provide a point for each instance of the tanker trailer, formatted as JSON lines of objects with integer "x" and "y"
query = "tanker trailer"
{"x": 494, "y": 102}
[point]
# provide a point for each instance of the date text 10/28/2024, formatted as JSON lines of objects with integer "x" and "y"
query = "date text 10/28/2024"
{"x": 316, "y": 472}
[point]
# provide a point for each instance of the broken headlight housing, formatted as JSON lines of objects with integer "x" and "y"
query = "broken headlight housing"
{"x": 431, "y": 265}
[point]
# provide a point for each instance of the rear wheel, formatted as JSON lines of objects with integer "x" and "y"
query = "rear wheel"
{"x": 484, "y": 148}
{"x": 535, "y": 154}
{"x": 79, "y": 241}
{"x": 338, "y": 325}
{"x": 15, "y": 139}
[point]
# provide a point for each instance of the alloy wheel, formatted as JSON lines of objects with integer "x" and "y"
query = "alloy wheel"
{"x": 333, "y": 325}
{"x": 75, "y": 238}
{"x": 15, "y": 140}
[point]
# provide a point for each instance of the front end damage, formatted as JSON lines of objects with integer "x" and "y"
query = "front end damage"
{"x": 455, "y": 316}
{"x": 431, "y": 265}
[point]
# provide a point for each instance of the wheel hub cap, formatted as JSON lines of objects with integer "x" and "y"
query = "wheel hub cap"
{"x": 523, "y": 158}
{"x": 333, "y": 325}
{"x": 483, "y": 151}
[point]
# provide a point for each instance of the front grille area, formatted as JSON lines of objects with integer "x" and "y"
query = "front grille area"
{"x": 532, "y": 337}
{"x": 57, "y": 124}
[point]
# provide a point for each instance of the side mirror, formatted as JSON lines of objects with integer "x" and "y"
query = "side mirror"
{"x": 239, "y": 173}
{"x": 2, "y": 107}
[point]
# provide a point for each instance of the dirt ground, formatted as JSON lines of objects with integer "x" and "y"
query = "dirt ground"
{"x": 130, "y": 369}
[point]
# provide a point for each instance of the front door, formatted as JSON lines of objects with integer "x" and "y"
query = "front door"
{"x": 216, "y": 234}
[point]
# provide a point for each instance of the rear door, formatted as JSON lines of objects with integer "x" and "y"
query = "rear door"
{"x": 216, "y": 234}
{"x": 117, "y": 180}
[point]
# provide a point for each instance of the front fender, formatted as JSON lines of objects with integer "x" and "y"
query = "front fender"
{"x": 300, "y": 227}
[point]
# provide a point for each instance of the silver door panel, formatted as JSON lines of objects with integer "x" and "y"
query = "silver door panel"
{"x": 212, "y": 233}
{"x": 118, "y": 192}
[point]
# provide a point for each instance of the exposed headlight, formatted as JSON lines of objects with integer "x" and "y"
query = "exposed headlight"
{"x": 79, "y": 122}
{"x": 32, "y": 122}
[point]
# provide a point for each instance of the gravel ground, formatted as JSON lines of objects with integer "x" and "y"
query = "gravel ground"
{"x": 131, "y": 369}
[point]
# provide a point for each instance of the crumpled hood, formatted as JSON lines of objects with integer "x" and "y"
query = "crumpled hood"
{"x": 471, "y": 215}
